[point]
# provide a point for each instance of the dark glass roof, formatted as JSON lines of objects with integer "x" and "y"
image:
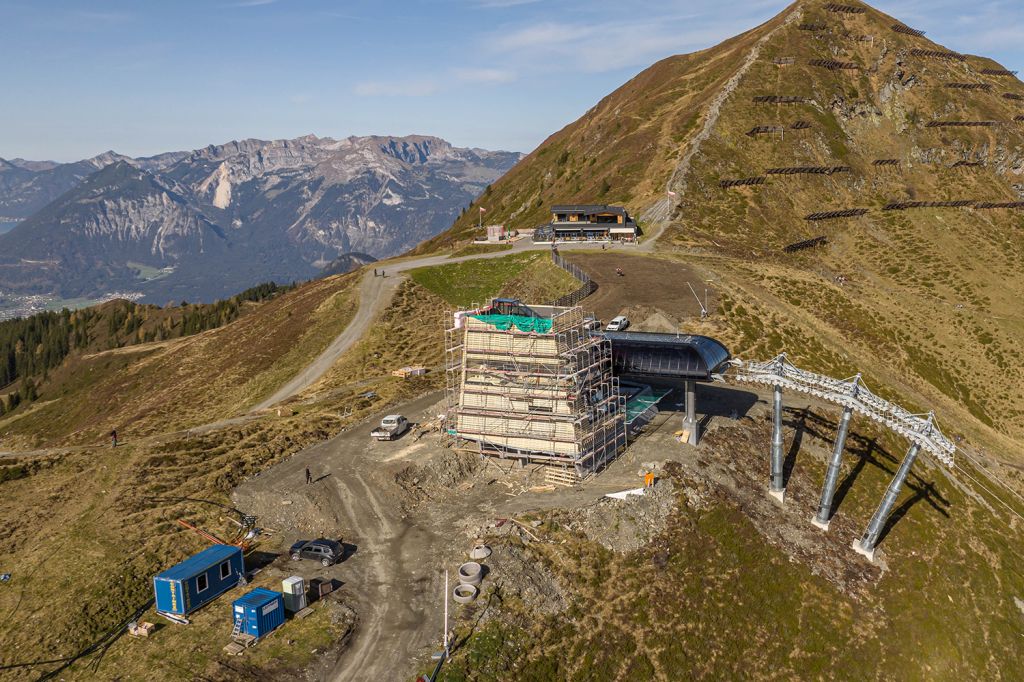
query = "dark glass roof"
{"x": 684, "y": 356}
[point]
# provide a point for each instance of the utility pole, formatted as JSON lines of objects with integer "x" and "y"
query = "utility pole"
{"x": 445, "y": 639}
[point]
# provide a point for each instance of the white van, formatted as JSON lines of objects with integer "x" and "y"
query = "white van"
{"x": 618, "y": 324}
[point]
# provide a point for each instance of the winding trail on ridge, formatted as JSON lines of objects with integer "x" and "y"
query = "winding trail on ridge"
{"x": 661, "y": 210}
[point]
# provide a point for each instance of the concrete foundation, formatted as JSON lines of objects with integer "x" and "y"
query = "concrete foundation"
{"x": 777, "y": 495}
{"x": 867, "y": 553}
{"x": 819, "y": 524}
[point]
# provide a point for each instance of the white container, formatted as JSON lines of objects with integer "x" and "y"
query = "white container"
{"x": 294, "y": 591}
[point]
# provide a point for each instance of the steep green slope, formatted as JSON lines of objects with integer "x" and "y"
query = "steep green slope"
{"x": 925, "y": 299}
{"x": 622, "y": 151}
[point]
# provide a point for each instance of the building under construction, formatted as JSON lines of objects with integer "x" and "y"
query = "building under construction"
{"x": 533, "y": 384}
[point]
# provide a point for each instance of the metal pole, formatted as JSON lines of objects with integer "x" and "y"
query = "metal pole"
{"x": 445, "y": 613}
{"x": 776, "y": 486}
{"x": 690, "y": 421}
{"x": 832, "y": 475}
{"x": 866, "y": 544}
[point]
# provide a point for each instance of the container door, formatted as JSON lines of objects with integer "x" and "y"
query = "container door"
{"x": 252, "y": 625}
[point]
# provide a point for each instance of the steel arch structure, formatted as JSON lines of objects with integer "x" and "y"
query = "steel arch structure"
{"x": 854, "y": 397}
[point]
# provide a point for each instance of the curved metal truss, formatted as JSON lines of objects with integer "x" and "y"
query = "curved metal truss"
{"x": 851, "y": 393}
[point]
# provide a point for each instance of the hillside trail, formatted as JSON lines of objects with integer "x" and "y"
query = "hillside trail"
{"x": 661, "y": 211}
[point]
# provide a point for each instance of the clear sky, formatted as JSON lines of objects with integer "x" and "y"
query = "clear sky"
{"x": 147, "y": 76}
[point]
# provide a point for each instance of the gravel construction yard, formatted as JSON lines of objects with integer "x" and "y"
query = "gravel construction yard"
{"x": 409, "y": 509}
{"x": 649, "y": 287}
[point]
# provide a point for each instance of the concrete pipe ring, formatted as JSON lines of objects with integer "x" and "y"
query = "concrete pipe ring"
{"x": 463, "y": 594}
{"x": 480, "y": 552}
{"x": 470, "y": 573}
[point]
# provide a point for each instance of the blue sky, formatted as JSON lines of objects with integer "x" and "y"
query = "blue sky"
{"x": 146, "y": 76}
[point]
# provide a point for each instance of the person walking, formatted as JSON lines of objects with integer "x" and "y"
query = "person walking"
{"x": 113, "y": 438}
{"x": 309, "y": 476}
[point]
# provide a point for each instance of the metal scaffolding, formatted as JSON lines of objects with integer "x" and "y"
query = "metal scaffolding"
{"x": 538, "y": 388}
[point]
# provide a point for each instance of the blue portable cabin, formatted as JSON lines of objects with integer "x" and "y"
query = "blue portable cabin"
{"x": 183, "y": 588}
{"x": 260, "y": 611}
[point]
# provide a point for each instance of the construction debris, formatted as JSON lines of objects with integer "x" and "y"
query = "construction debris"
{"x": 623, "y": 494}
{"x": 140, "y": 629}
{"x": 409, "y": 371}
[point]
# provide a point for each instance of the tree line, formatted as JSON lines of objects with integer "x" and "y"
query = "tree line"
{"x": 32, "y": 346}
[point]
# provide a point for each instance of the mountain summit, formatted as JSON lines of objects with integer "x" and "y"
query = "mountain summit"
{"x": 897, "y": 161}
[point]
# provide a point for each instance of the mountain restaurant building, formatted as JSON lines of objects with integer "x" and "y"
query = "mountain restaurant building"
{"x": 589, "y": 222}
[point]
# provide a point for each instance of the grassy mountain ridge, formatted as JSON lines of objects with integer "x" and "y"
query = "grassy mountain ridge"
{"x": 928, "y": 296}
{"x": 621, "y": 151}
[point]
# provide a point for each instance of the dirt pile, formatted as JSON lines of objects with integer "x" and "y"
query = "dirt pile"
{"x": 629, "y": 524}
{"x": 441, "y": 476}
{"x": 310, "y": 510}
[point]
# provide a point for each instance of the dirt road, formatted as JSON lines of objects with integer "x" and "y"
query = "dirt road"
{"x": 374, "y": 295}
{"x": 395, "y": 588}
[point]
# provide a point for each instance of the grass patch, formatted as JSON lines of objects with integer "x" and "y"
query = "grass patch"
{"x": 474, "y": 282}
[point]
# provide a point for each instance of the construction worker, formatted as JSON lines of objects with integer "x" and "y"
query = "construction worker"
{"x": 113, "y": 438}
{"x": 309, "y": 476}
{"x": 649, "y": 479}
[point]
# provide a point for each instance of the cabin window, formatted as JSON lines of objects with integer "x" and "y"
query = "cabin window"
{"x": 202, "y": 582}
{"x": 225, "y": 569}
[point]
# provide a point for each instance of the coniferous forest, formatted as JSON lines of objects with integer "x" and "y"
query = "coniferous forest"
{"x": 32, "y": 346}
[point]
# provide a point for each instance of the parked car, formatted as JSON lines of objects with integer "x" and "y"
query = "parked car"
{"x": 327, "y": 552}
{"x": 618, "y": 324}
{"x": 391, "y": 427}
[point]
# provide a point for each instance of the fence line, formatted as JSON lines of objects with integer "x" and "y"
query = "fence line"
{"x": 587, "y": 285}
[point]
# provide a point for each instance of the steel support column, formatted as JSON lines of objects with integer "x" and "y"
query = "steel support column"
{"x": 832, "y": 475}
{"x": 690, "y": 420}
{"x": 866, "y": 544}
{"x": 776, "y": 486}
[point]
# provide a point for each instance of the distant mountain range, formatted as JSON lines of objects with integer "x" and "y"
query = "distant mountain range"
{"x": 207, "y": 223}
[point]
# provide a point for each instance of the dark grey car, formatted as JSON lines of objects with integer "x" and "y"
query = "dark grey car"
{"x": 327, "y": 552}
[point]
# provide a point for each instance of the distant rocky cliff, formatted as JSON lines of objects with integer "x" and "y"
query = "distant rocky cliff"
{"x": 219, "y": 219}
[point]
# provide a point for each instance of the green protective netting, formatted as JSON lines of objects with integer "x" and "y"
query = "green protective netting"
{"x": 640, "y": 404}
{"x": 522, "y": 323}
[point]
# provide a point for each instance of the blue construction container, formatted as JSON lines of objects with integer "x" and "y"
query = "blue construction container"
{"x": 183, "y": 588}
{"x": 260, "y": 612}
